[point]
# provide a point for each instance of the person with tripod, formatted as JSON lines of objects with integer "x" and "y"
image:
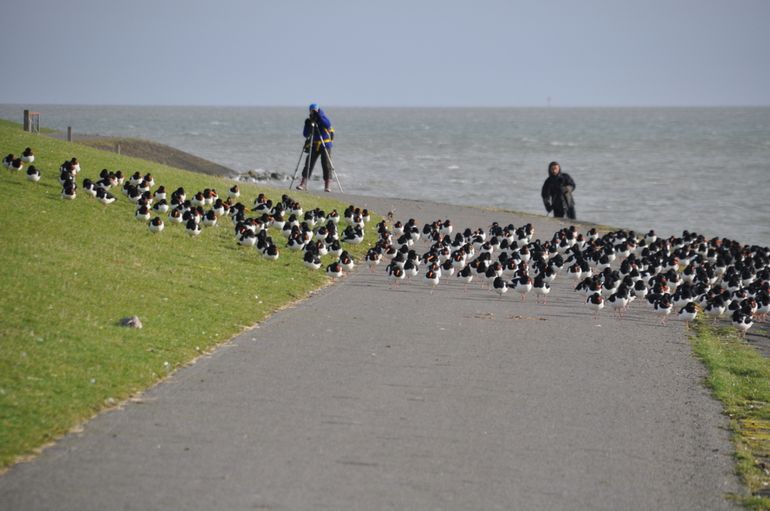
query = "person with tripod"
{"x": 319, "y": 134}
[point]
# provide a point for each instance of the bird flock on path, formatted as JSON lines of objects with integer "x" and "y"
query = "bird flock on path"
{"x": 688, "y": 274}
{"x": 314, "y": 232}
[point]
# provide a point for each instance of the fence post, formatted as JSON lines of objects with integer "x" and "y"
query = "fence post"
{"x": 26, "y": 120}
{"x": 69, "y": 133}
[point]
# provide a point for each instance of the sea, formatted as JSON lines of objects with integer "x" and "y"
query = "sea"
{"x": 704, "y": 170}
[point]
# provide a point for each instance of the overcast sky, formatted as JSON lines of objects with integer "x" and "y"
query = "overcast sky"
{"x": 386, "y": 53}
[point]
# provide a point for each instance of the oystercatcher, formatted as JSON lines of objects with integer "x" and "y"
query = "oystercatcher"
{"x": 155, "y": 225}
{"x": 595, "y": 302}
{"x": 33, "y": 174}
{"x": 688, "y": 314}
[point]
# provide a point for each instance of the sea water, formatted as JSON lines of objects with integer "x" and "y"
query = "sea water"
{"x": 669, "y": 169}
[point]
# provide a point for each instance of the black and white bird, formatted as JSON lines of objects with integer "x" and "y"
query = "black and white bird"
{"x": 104, "y": 196}
{"x": 156, "y": 224}
{"x": 334, "y": 270}
{"x": 595, "y": 303}
{"x": 522, "y": 285}
{"x": 192, "y": 227}
{"x": 33, "y": 174}
{"x": 500, "y": 286}
{"x": 688, "y": 313}
{"x": 742, "y": 321}
{"x": 395, "y": 274}
{"x": 541, "y": 288}
{"x": 311, "y": 260}
{"x": 662, "y": 307}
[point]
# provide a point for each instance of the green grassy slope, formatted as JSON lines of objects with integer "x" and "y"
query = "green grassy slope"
{"x": 70, "y": 270}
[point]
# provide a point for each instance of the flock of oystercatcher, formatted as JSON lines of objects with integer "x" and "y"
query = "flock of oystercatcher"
{"x": 314, "y": 232}
{"x": 688, "y": 275}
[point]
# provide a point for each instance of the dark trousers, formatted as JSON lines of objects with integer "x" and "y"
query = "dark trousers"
{"x": 325, "y": 163}
{"x": 559, "y": 213}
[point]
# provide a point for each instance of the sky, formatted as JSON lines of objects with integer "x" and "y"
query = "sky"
{"x": 436, "y": 53}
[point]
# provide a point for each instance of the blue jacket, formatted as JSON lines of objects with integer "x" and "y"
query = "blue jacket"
{"x": 325, "y": 129}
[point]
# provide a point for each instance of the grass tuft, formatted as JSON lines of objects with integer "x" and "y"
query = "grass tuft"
{"x": 739, "y": 376}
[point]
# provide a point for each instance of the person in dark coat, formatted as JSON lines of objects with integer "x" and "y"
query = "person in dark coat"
{"x": 557, "y": 192}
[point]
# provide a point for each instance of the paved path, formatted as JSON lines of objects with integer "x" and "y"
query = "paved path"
{"x": 370, "y": 398}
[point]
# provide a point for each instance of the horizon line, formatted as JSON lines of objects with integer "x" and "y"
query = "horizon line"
{"x": 332, "y": 105}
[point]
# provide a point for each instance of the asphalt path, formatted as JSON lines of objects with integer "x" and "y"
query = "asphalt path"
{"x": 369, "y": 397}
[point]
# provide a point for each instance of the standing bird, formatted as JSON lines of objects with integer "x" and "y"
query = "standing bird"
{"x": 541, "y": 288}
{"x": 688, "y": 314}
{"x": 742, "y": 322}
{"x": 373, "y": 258}
{"x": 715, "y": 308}
{"x": 619, "y": 300}
{"x": 523, "y": 285}
{"x": 595, "y": 303}
{"x": 466, "y": 275}
{"x": 395, "y": 274}
{"x": 500, "y": 286}
{"x": 431, "y": 278}
{"x": 662, "y": 307}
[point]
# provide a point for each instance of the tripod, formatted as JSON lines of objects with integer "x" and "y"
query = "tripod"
{"x": 309, "y": 143}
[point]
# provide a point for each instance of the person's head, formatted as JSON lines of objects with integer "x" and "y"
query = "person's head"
{"x": 554, "y": 168}
{"x": 314, "y": 107}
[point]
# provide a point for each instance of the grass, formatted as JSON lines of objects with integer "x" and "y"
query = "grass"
{"x": 70, "y": 270}
{"x": 739, "y": 376}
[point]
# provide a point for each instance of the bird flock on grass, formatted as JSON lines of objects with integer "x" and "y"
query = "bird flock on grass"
{"x": 689, "y": 275}
{"x": 314, "y": 232}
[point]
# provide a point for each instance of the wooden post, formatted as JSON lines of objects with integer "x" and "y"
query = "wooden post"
{"x": 117, "y": 148}
{"x": 26, "y": 120}
{"x": 69, "y": 133}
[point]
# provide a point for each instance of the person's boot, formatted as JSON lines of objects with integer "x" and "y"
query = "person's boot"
{"x": 301, "y": 185}
{"x": 327, "y": 185}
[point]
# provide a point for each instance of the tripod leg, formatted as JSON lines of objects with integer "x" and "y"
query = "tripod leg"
{"x": 294, "y": 177}
{"x": 334, "y": 173}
